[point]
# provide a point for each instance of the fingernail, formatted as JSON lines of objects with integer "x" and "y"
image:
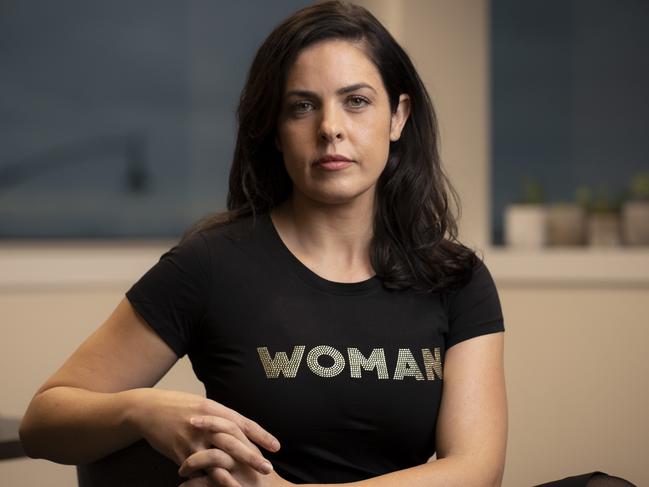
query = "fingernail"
{"x": 196, "y": 421}
{"x": 266, "y": 467}
{"x": 275, "y": 445}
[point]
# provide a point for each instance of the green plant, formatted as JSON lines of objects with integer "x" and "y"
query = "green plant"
{"x": 600, "y": 201}
{"x": 583, "y": 197}
{"x": 605, "y": 203}
{"x": 639, "y": 188}
{"x": 533, "y": 193}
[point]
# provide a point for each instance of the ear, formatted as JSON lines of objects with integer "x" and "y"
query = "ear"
{"x": 399, "y": 117}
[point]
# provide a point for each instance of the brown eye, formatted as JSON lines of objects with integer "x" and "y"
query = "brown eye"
{"x": 302, "y": 107}
{"x": 358, "y": 101}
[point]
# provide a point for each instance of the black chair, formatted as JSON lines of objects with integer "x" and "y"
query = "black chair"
{"x": 138, "y": 465}
{"x": 593, "y": 479}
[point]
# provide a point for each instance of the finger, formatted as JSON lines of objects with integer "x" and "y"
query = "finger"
{"x": 229, "y": 437}
{"x": 250, "y": 428}
{"x": 256, "y": 433}
{"x": 204, "y": 459}
{"x": 241, "y": 452}
{"x": 222, "y": 477}
{"x": 215, "y": 424}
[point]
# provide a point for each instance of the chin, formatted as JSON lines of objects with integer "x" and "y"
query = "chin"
{"x": 339, "y": 197}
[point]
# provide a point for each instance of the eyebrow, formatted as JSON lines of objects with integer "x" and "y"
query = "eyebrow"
{"x": 341, "y": 91}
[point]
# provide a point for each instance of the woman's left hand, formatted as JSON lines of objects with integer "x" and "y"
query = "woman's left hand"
{"x": 203, "y": 469}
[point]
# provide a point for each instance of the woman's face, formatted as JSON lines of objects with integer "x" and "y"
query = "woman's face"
{"x": 335, "y": 103}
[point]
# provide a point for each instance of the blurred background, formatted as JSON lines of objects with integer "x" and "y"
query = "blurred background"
{"x": 117, "y": 127}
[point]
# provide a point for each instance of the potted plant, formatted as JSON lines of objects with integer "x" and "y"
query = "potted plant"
{"x": 566, "y": 222}
{"x": 635, "y": 211}
{"x": 603, "y": 227}
{"x": 525, "y": 221}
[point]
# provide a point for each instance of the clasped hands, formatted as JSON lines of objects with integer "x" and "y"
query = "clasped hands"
{"x": 213, "y": 444}
{"x": 233, "y": 460}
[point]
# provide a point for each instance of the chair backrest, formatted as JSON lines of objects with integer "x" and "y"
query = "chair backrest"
{"x": 593, "y": 479}
{"x": 138, "y": 465}
{"x": 603, "y": 480}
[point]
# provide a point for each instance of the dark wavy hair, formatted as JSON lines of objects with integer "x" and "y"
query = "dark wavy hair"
{"x": 414, "y": 243}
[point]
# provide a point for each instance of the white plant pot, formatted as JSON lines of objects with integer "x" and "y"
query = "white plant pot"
{"x": 525, "y": 226}
{"x": 635, "y": 223}
{"x": 604, "y": 230}
{"x": 566, "y": 224}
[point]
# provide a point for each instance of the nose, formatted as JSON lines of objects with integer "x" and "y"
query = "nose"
{"x": 330, "y": 129}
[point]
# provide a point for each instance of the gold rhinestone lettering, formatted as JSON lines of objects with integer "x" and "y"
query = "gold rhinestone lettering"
{"x": 407, "y": 366}
{"x": 376, "y": 361}
{"x": 433, "y": 365}
{"x": 281, "y": 363}
{"x": 316, "y": 368}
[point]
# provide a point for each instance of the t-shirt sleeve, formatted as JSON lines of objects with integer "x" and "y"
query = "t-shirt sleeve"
{"x": 172, "y": 295}
{"x": 474, "y": 309}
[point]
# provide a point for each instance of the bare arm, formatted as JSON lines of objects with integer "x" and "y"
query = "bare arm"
{"x": 82, "y": 412}
{"x": 472, "y": 423}
{"x": 101, "y": 400}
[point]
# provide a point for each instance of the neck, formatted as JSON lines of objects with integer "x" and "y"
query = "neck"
{"x": 334, "y": 236}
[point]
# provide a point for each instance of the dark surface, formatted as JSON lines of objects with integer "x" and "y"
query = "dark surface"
{"x": 10, "y": 446}
{"x": 138, "y": 465}
{"x": 593, "y": 479}
{"x": 569, "y": 96}
{"x": 169, "y": 71}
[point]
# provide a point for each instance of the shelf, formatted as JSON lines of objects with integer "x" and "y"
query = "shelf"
{"x": 29, "y": 265}
{"x": 57, "y": 264}
{"x": 620, "y": 266}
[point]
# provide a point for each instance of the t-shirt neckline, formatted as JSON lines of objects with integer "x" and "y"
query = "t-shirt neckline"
{"x": 279, "y": 250}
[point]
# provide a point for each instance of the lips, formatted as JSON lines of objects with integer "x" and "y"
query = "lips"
{"x": 332, "y": 158}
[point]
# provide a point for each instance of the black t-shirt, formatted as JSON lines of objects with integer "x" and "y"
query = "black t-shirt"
{"x": 348, "y": 376}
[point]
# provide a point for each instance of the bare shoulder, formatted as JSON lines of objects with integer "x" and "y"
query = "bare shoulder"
{"x": 123, "y": 353}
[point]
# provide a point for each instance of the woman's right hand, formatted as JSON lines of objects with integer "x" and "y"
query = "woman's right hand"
{"x": 163, "y": 419}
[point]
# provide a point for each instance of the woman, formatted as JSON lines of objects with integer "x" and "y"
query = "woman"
{"x": 325, "y": 309}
